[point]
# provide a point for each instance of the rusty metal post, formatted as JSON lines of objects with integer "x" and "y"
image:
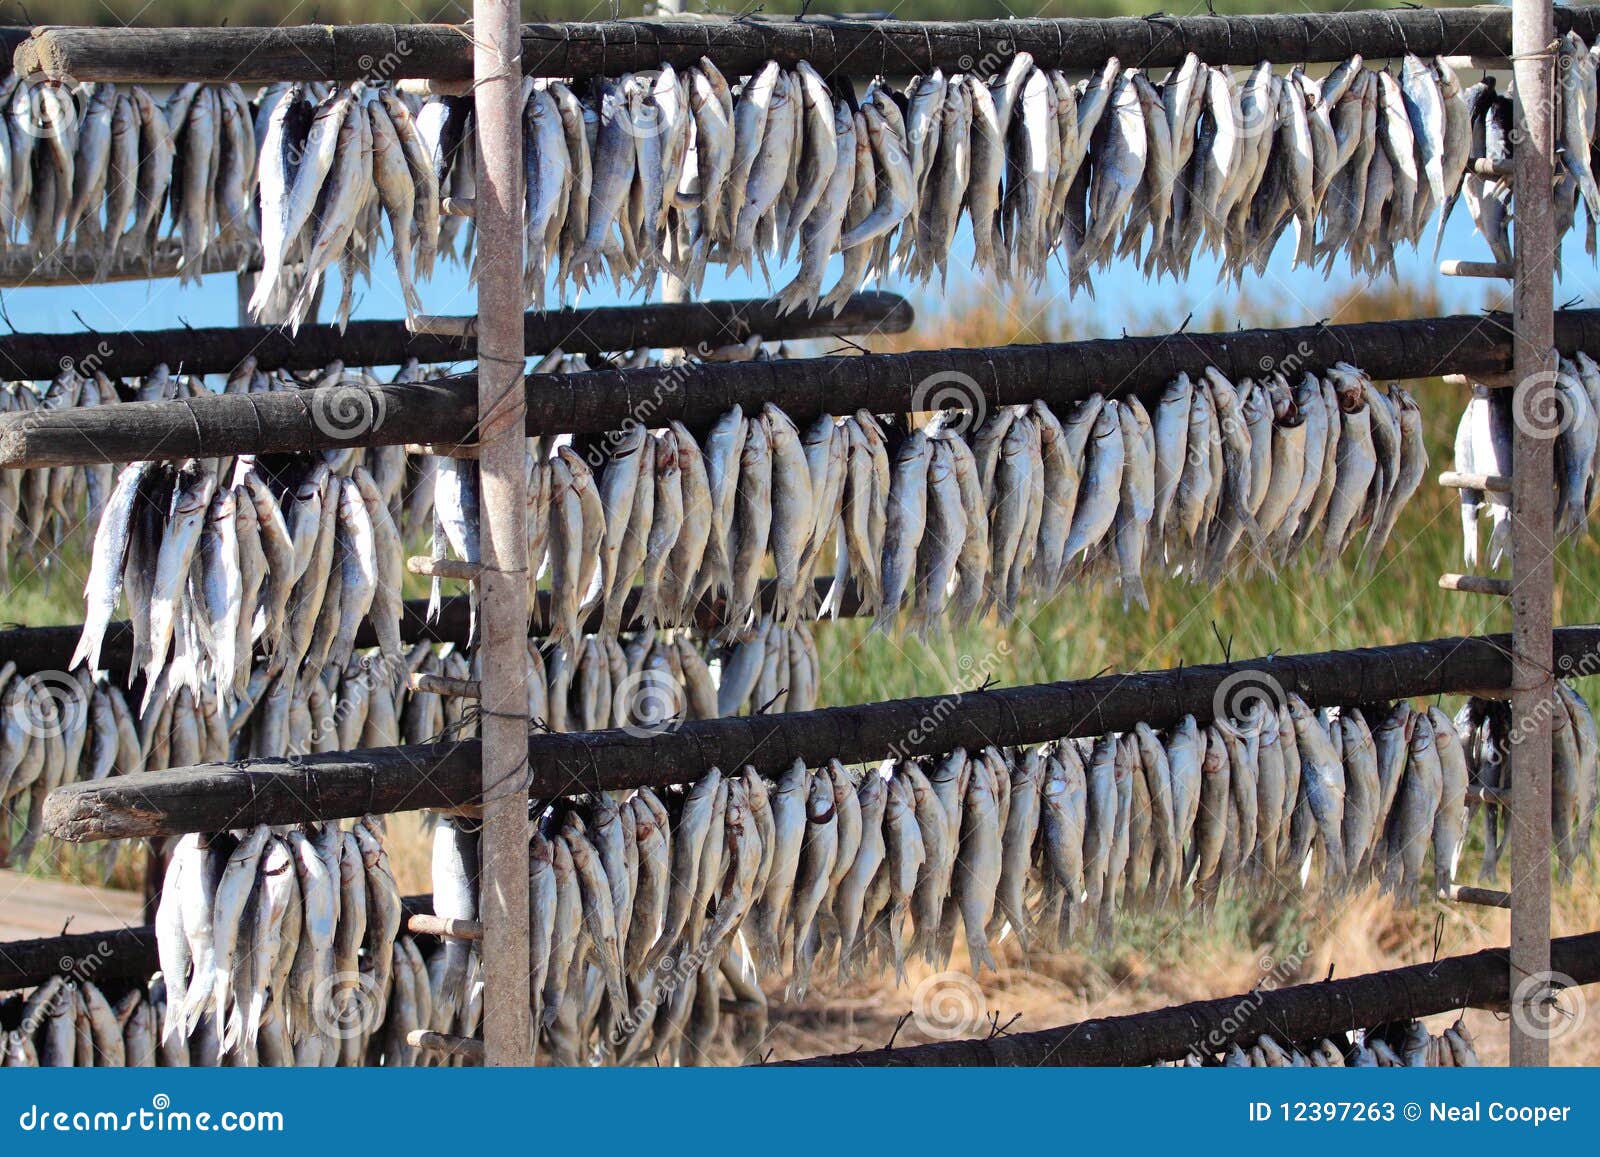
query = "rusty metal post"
{"x": 1532, "y": 528}
{"x": 502, "y": 654}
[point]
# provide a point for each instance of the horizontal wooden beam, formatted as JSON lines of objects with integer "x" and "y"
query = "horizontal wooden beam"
{"x": 1482, "y": 897}
{"x": 209, "y": 797}
{"x": 446, "y": 927}
{"x": 36, "y": 649}
{"x": 1474, "y": 584}
{"x": 1495, "y": 270}
{"x": 22, "y": 268}
{"x": 697, "y": 394}
{"x": 591, "y": 330}
{"x": 1456, "y": 480}
{"x": 835, "y": 46}
{"x": 113, "y": 955}
{"x": 1303, "y": 1012}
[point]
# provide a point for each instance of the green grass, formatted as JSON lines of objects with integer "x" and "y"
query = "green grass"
{"x": 1087, "y": 632}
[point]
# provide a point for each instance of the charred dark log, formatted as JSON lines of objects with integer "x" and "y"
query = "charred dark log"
{"x": 591, "y": 403}
{"x": 210, "y": 797}
{"x": 103, "y": 957}
{"x": 601, "y": 330}
{"x": 842, "y": 47}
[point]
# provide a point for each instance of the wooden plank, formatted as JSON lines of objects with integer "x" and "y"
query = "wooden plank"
{"x": 444, "y": 568}
{"x": 835, "y": 46}
{"x": 445, "y": 685}
{"x": 1473, "y": 584}
{"x": 1328, "y": 1008}
{"x": 503, "y": 721}
{"x": 446, "y": 926}
{"x": 1482, "y": 897}
{"x": 442, "y": 411}
{"x": 210, "y": 797}
{"x": 1487, "y": 269}
{"x": 1533, "y": 697}
{"x": 1458, "y": 481}
{"x": 590, "y": 330}
{"x": 25, "y": 269}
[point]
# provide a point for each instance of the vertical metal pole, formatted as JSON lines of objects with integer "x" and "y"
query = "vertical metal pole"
{"x": 502, "y": 653}
{"x": 1532, "y": 529}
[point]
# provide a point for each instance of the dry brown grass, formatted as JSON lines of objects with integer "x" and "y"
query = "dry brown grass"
{"x": 1170, "y": 963}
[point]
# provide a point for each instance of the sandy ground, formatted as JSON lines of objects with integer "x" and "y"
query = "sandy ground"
{"x": 31, "y": 908}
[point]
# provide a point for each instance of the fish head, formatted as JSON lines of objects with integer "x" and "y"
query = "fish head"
{"x": 1107, "y": 424}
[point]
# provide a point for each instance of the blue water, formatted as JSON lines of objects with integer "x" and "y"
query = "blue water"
{"x": 1123, "y": 301}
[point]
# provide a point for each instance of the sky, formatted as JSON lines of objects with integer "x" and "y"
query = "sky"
{"x": 1123, "y": 299}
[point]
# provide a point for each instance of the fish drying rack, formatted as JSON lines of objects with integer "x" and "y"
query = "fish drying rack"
{"x": 487, "y": 414}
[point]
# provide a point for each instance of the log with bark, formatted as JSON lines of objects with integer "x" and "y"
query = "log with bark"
{"x": 834, "y": 46}
{"x": 209, "y": 797}
{"x": 597, "y": 330}
{"x": 443, "y": 410}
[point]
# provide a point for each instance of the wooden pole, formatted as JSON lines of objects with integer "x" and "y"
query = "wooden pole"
{"x": 503, "y": 585}
{"x": 210, "y": 797}
{"x": 1058, "y": 374}
{"x": 595, "y": 330}
{"x": 1303, "y": 1012}
{"x": 844, "y": 47}
{"x": 1532, "y": 530}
